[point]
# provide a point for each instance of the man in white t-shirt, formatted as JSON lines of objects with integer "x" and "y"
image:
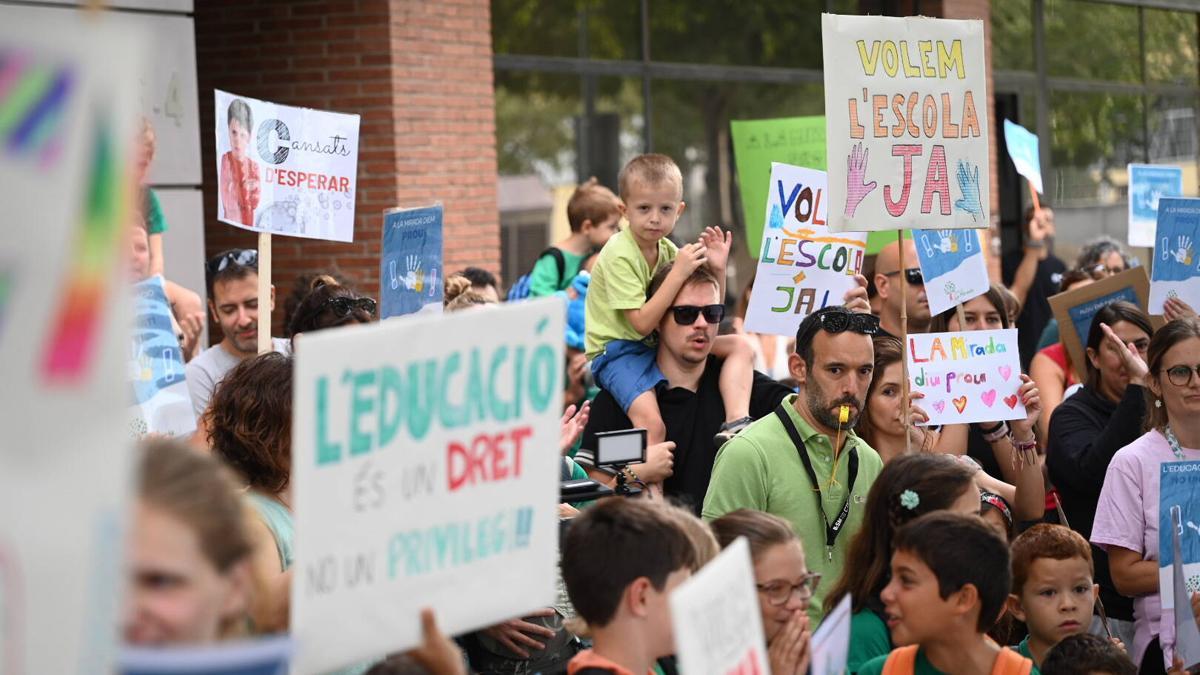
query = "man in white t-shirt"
{"x": 233, "y": 302}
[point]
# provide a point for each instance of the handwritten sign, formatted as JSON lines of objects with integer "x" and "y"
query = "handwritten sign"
{"x": 426, "y": 467}
{"x": 1176, "y": 271}
{"x": 1187, "y": 633}
{"x": 66, "y": 458}
{"x": 1147, "y": 185}
{"x": 161, "y": 403}
{"x": 1178, "y": 501}
{"x": 831, "y": 641}
{"x": 1075, "y": 309}
{"x": 970, "y": 376}
{"x": 802, "y": 266}
{"x": 1023, "y": 149}
{"x": 411, "y": 267}
{"x": 268, "y": 656}
{"x": 907, "y": 123}
{"x": 953, "y": 265}
{"x": 716, "y": 618}
{"x": 285, "y": 170}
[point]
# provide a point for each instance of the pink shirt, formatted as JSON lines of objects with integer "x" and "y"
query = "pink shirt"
{"x": 1127, "y": 516}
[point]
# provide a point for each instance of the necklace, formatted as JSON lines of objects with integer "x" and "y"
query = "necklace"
{"x": 1174, "y": 443}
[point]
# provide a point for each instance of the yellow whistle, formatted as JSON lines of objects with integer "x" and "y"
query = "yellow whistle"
{"x": 844, "y": 414}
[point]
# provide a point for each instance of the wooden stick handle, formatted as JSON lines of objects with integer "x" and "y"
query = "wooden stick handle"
{"x": 264, "y": 292}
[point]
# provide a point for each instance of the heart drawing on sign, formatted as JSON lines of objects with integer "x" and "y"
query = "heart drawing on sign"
{"x": 989, "y": 397}
{"x": 1005, "y": 372}
{"x": 939, "y": 406}
{"x": 960, "y": 403}
{"x": 1011, "y": 401}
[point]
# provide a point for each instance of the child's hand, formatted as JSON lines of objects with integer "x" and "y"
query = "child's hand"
{"x": 689, "y": 258}
{"x": 718, "y": 244}
{"x": 790, "y": 652}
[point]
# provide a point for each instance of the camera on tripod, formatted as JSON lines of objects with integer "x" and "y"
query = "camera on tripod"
{"x": 615, "y": 450}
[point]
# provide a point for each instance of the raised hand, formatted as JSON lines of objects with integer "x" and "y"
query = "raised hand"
{"x": 856, "y": 172}
{"x": 572, "y": 423}
{"x": 1031, "y": 397}
{"x": 856, "y": 299}
{"x": 925, "y": 438}
{"x": 718, "y": 244}
{"x": 968, "y": 183}
{"x": 1131, "y": 360}
{"x": 689, "y": 258}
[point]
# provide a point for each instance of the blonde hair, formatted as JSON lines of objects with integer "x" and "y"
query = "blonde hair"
{"x": 459, "y": 295}
{"x": 698, "y": 533}
{"x": 593, "y": 202}
{"x": 650, "y": 169}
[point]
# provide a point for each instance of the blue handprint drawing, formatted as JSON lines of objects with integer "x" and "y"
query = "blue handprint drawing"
{"x": 968, "y": 183}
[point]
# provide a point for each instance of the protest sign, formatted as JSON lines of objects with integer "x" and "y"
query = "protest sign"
{"x": 1178, "y": 525}
{"x": 410, "y": 271}
{"x": 802, "y": 267}
{"x": 1147, "y": 185}
{"x": 161, "y": 403}
{"x": 425, "y": 466}
{"x": 285, "y": 170}
{"x": 953, "y": 266}
{"x": 906, "y": 123}
{"x": 1023, "y": 149}
{"x": 831, "y": 641}
{"x": 967, "y": 376}
{"x": 716, "y": 618}
{"x": 1176, "y": 270}
{"x": 70, "y": 111}
{"x": 268, "y": 656}
{"x": 1187, "y": 633}
{"x": 1074, "y": 310}
{"x": 757, "y": 145}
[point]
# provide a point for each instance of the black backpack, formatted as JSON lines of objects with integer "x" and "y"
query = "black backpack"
{"x": 520, "y": 288}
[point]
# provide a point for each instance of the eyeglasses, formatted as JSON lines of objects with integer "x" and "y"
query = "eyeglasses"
{"x": 244, "y": 257}
{"x": 1104, "y": 271}
{"x": 685, "y": 315}
{"x": 342, "y": 306}
{"x": 912, "y": 275}
{"x": 779, "y": 592}
{"x": 1181, "y": 376}
{"x": 839, "y": 322}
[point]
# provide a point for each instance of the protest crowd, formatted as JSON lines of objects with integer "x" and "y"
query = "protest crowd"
{"x": 1024, "y": 542}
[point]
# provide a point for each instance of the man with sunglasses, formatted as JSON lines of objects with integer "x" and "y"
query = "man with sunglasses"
{"x": 689, "y": 399}
{"x": 888, "y": 280}
{"x": 232, "y": 283}
{"x": 804, "y": 463}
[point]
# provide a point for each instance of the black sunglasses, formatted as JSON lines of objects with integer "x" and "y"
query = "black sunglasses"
{"x": 685, "y": 315}
{"x": 912, "y": 275}
{"x": 840, "y": 322}
{"x": 244, "y": 257}
{"x": 342, "y": 306}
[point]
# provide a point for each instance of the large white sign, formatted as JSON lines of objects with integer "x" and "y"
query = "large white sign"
{"x": 426, "y": 469}
{"x": 716, "y": 619}
{"x": 906, "y": 113}
{"x": 285, "y": 170}
{"x": 802, "y": 266}
{"x": 970, "y": 376}
{"x": 69, "y": 98}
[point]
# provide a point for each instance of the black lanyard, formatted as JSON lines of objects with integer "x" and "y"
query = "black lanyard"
{"x": 831, "y": 529}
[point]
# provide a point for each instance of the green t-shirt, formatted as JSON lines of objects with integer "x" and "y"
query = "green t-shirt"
{"x": 921, "y": 667}
{"x": 620, "y": 278}
{"x": 869, "y": 638}
{"x": 1023, "y": 650}
{"x": 544, "y": 279}
{"x": 156, "y": 223}
{"x": 760, "y": 469}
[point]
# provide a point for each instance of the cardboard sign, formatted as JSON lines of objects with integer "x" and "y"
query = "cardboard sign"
{"x": 831, "y": 641}
{"x": 953, "y": 266}
{"x": 716, "y": 618}
{"x": 1023, "y": 149}
{"x": 970, "y": 376}
{"x": 426, "y": 469}
{"x": 907, "y": 123}
{"x": 1074, "y": 310}
{"x": 1147, "y": 185}
{"x": 802, "y": 267}
{"x": 410, "y": 271}
{"x": 285, "y": 170}
{"x": 757, "y": 145}
{"x": 161, "y": 403}
{"x": 268, "y": 656}
{"x": 70, "y": 113}
{"x": 1176, "y": 272}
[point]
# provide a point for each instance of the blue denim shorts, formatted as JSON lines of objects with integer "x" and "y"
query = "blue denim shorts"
{"x": 626, "y": 369}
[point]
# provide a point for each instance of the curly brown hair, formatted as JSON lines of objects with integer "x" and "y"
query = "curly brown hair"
{"x": 249, "y": 421}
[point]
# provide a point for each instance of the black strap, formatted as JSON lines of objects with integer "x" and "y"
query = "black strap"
{"x": 559, "y": 261}
{"x": 831, "y": 529}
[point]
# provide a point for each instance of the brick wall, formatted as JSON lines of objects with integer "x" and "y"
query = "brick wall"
{"x": 419, "y": 74}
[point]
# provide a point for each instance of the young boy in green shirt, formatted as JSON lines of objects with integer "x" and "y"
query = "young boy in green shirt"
{"x": 594, "y": 214}
{"x": 950, "y": 578}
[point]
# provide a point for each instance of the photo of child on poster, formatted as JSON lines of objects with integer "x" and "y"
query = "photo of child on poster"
{"x": 238, "y": 174}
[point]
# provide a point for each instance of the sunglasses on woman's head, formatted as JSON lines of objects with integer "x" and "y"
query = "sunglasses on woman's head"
{"x": 243, "y": 257}
{"x": 685, "y": 315}
{"x": 912, "y": 275}
{"x": 342, "y": 306}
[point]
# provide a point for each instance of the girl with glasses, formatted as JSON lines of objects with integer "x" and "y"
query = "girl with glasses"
{"x": 330, "y": 305}
{"x": 1126, "y": 523}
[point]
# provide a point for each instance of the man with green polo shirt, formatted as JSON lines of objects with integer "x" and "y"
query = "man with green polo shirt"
{"x": 786, "y": 464}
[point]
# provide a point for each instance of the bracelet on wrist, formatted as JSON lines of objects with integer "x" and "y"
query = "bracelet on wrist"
{"x": 998, "y": 432}
{"x": 1035, "y": 244}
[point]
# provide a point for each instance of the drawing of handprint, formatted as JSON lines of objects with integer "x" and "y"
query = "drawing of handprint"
{"x": 856, "y": 173}
{"x": 947, "y": 242}
{"x": 1183, "y": 251}
{"x": 414, "y": 279}
{"x": 968, "y": 183}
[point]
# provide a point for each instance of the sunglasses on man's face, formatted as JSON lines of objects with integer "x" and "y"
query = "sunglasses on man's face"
{"x": 244, "y": 257}
{"x": 912, "y": 275}
{"x": 343, "y": 306}
{"x": 685, "y": 315}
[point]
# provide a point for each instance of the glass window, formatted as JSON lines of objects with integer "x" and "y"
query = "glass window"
{"x": 1171, "y": 47}
{"x": 1092, "y": 40}
{"x": 533, "y": 27}
{"x": 1012, "y": 35}
{"x": 1172, "y": 127}
{"x": 535, "y": 118}
{"x": 729, "y": 32}
{"x": 1093, "y": 135}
